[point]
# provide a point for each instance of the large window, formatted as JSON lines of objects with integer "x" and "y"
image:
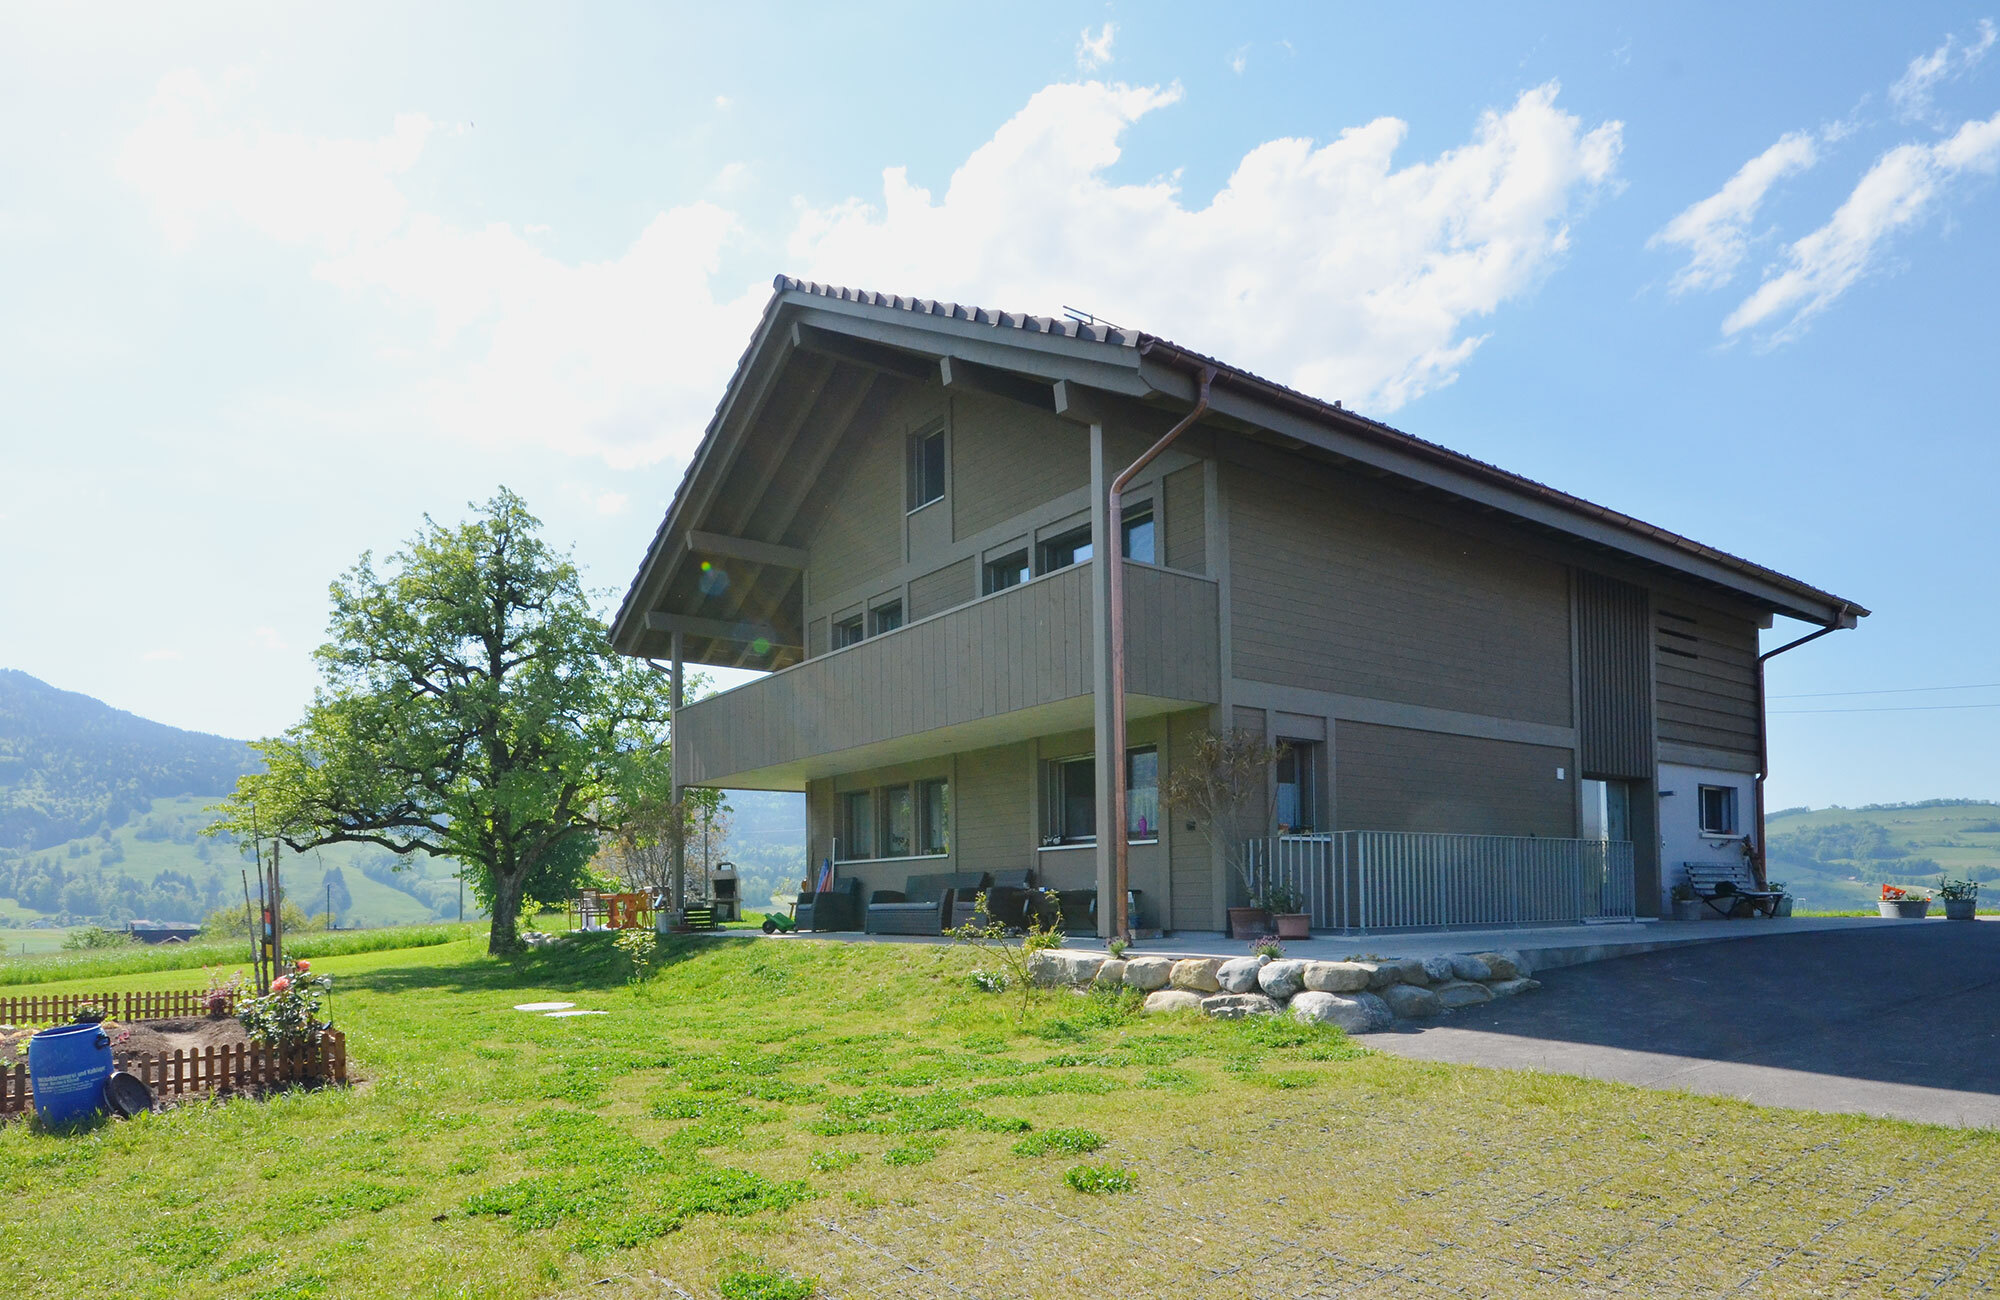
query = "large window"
{"x": 1298, "y": 786}
{"x": 847, "y": 632}
{"x": 1072, "y": 547}
{"x": 1007, "y": 571}
{"x": 857, "y": 825}
{"x": 926, "y": 468}
{"x": 1718, "y": 810}
{"x": 896, "y": 821}
{"x": 1138, "y": 535}
{"x": 1072, "y": 798}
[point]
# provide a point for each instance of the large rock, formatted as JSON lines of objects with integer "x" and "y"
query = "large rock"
{"x": 1410, "y": 970}
{"x": 1147, "y": 973}
{"x": 1461, "y": 993}
{"x": 1172, "y": 1000}
{"x": 1438, "y": 968}
{"x": 1501, "y": 964}
{"x": 1508, "y": 988}
{"x": 1239, "y": 974}
{"x": 1358, "y": 1013}
{"x": 1411, "y": 1001}
{"x": 1196, "y": 974}
{"x": 1470, "y": 966}
{"x": 1336, "y": 976}
{"x": 1235, "y": 1006}
{"x": 1111, "y": 974}
{"x": 1282, "y": 978}
{"x": 1055, "y": 967}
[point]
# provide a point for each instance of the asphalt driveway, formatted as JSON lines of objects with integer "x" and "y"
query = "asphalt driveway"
{"x": 1895, "y": 1020}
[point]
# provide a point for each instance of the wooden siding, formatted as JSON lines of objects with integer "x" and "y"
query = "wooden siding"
{"x": 941, "y": 589}
{"x": 1190, "y": 861}
{"x": 816, "y": 637}
{"x": 1707, "y": 662}
{"x": 1398, "y": 779}
{"x": 1333, "y": 593}
{"x": 860, "y": 535}
{"x": 990, "y": 807}
{"x": 1186, "y": 532}
{"x": 1614, "y": 678}
{"x": 1027, "y": 646}
{"x": 1007, "y": 459}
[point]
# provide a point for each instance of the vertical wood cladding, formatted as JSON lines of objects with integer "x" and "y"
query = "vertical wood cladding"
{"x": 1399, "y": 779}
{"x": 1708, "y": 676}
{"x": 1190, "y": 861}
{"x": 1615, "y": 690}
{"x": 860, "y": 533}
{"x": 1333, "y": 592}
{"x": 941, "y": 589}
{"x": 1185, "y": 529}
{"x": 989, "y": 808}
{"x": 1007, "y": 459}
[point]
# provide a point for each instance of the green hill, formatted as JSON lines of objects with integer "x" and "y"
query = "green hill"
{"x": 1837, "y": 858}
{"x": 71, "y": 765}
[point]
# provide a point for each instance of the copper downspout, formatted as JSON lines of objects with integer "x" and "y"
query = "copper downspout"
{"x": 1114, "y": 555}
{"x": 1839, "y": 623}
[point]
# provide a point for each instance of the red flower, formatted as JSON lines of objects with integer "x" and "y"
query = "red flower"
{"x": 280, "y": 984}
{"x": 303, "y": 965}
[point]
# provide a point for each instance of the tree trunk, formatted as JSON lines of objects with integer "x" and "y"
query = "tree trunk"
{"x": 503, "y": 938}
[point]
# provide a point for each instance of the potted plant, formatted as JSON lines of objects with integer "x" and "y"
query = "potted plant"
{"x": 1288, "y": 912}
{"x": 1784, "y": 904}
{"x": 1218, "y": 784}
{"x": 1687, "y": 903}
{"x": 1904, "y": 904}
{"x": 1961, "y": 898}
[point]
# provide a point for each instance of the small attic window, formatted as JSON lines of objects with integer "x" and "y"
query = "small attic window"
{"x": 926, "y": 468}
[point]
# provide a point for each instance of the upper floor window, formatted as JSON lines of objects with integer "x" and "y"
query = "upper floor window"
{"x": 1007, "y": 571}
{"x": 1139, "y": 535}
{"x": 1072, "y": 547}
{"x": 885, "y": 618}
{"x": 1718, "y": 810}
{"x": 926, "y": 468}
{"x": 1298, "y": 785}
{"x": 847, "y": 632}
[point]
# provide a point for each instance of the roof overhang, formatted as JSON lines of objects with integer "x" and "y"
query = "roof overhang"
{"x": 1080, "y": 371}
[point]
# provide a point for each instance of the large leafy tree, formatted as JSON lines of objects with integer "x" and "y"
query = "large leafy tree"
{"x": 471, "y": 706}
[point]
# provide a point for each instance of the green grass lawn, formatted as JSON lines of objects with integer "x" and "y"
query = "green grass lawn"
{"x": 859, "y": 1114}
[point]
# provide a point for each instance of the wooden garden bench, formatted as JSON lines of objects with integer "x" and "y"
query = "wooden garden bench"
{"x": 1729, "y": 886}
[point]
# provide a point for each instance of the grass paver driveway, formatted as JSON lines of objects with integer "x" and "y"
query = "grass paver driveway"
{"x": 863, "y": 1116}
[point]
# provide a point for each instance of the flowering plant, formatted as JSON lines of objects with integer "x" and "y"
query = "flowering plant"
{"x": 222, "y": 993}
{"x": 1898, "y": 894}
{"x": 288, "y": 1015}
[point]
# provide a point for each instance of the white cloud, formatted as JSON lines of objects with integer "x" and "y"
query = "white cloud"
{"x": 1239, "y": 60}
{"x": 268, "y": 639}
{"x": 160, "y": 656}
{"x": 1716, "y": 230}
{"x": 1895, "y": 193}
{"x": 610, "y": 503}
{"x": 1911, "y": 95}
{"x": 1324, "y": 266}
{"x": 1093, "y": 52}
{"x": 724, "y": 102}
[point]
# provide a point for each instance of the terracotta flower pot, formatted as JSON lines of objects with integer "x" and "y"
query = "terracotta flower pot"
{"x": 1294, "y": 925}
{"x": 1249, "y": 923}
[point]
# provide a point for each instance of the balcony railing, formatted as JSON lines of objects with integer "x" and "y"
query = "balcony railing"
{"x": 1399, "y": 880}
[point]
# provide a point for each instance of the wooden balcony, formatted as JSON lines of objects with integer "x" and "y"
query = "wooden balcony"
{"x": 1005, "y": 667}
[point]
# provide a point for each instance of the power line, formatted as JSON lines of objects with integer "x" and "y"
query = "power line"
{"x": 1892, "y": 690}
{"x": 1890, "y": 708}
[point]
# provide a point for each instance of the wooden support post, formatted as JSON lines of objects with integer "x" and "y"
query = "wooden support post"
{"x": 677, "y": 905}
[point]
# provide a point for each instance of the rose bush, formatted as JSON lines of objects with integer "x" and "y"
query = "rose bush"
{"x": 289, "y": 1015}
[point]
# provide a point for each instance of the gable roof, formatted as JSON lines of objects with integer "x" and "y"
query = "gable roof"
{"x": 1095, "y": 355}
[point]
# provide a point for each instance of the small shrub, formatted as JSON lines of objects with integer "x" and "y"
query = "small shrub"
{"x": 762, "y": 1284}
{"x": 1267, "y": 946}
{"x": 288, "y": 1016}
{"x": 1096, "y": 1180}
{"x": 95, "y": 937}
{"x": 992, "y": 940}
{"x": 1073, "y": 1141}
{"x": 639, "y": 947}
{"x": 989, "y": 981}
{"x": 1119, "y": 947}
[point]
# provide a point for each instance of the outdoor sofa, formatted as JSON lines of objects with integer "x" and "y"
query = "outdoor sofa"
{"x": 838, "y": 908}
{"x": 923, "y": 905}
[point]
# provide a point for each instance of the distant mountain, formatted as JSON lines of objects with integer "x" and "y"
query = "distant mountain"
{"x": 71, "y": 765}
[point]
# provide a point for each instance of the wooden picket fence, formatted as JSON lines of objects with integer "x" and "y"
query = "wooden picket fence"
{"x": 154, "y": 1005}
{"x": 208, "y": 1070}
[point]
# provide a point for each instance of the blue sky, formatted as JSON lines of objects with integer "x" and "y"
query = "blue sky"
{"x": 279, "y": 281}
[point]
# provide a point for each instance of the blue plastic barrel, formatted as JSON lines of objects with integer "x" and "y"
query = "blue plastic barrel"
{"x": 67, "y": 1067}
